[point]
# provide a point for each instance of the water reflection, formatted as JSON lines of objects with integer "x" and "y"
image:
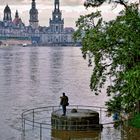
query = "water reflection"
{"x": 34, "y": 73}
{"x": 56, "y": 68}
{"x": 6, "y": 69}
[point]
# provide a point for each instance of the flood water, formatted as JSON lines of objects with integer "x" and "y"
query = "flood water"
{"x": 36, "y": 76}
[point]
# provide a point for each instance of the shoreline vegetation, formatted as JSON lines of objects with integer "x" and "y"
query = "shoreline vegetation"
{"x": 114, "y": 47}
{"x": 135, "y": 121}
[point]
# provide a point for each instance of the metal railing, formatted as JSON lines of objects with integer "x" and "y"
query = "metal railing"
{"x": 37, "y": 120}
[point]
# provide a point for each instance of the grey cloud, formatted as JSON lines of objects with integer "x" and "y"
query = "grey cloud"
{"x": 4, "y": 2}
{"x": 62, "y": 2}
{"x": 48, "y": 2}
{"x": 71, "y": 2}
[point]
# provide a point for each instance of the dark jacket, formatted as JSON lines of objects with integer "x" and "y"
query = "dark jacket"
{"x": 64, "y": 101}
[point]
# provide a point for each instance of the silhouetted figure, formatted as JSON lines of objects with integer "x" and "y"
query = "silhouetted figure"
{"x": 64, "y": 103}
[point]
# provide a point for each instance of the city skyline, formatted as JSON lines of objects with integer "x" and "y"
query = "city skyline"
{"x": 71, "y": 10}
{"x": 54, "y": 34}
{"x": 45, "y": 10}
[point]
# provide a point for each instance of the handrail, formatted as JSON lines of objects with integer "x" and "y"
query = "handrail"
{"x": 34, "y": 110}
{"x": 31, "y": 117}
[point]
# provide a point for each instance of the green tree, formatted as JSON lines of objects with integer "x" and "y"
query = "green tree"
{"x": 115, "y": 46}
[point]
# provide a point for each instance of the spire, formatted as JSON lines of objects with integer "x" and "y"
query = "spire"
{"x": 7, "y": 9}
{"x": 33, "y": 15}
{"x": 56, "y": 23}
{"x": 16, "y": 14}
{"x": 56, "y": 5}
{"x": 56, "y": 14}
{"x": 33, "y": 4}
{"x": 7, "y": 14}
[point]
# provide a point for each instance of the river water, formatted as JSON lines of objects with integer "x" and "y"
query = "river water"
{"x": 36, "y": 76}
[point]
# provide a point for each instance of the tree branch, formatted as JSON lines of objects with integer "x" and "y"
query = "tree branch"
{"x": 122, "y": 3}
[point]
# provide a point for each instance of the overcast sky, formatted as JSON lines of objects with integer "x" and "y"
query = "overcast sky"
{"x": 71, "y": 10}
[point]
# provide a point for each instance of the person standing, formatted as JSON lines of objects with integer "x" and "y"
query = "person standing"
{"x": 64, "y": 103}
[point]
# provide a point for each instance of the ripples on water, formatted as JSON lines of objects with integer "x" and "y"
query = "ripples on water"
{"x": 36, "y": 76}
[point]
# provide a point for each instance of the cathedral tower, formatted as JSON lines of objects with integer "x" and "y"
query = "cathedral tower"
{"x": 7, "y": 14}
{"x": 33, "y": 16}
{"x": 56, "y": 23}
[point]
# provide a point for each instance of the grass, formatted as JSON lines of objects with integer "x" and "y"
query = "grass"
{"x": 135, "y": 122}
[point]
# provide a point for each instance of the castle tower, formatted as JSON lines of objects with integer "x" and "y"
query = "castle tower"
{"x": 7, "y": 14}
{"x": 33, "y": 16}
{"x": 56, "y": 23}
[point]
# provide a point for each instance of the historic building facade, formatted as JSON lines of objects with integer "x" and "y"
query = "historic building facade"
{"x": 55, "y": 34}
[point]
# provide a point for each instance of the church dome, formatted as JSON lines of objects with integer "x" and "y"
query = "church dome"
{"x": 7, "y": 9}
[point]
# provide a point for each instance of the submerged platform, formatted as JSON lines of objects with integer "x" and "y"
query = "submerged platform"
{"x": 76, "y": 119}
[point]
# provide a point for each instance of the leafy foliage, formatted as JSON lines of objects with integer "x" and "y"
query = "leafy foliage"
{"x": 135, "y": 121}
{"x": 115, "y": 46}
